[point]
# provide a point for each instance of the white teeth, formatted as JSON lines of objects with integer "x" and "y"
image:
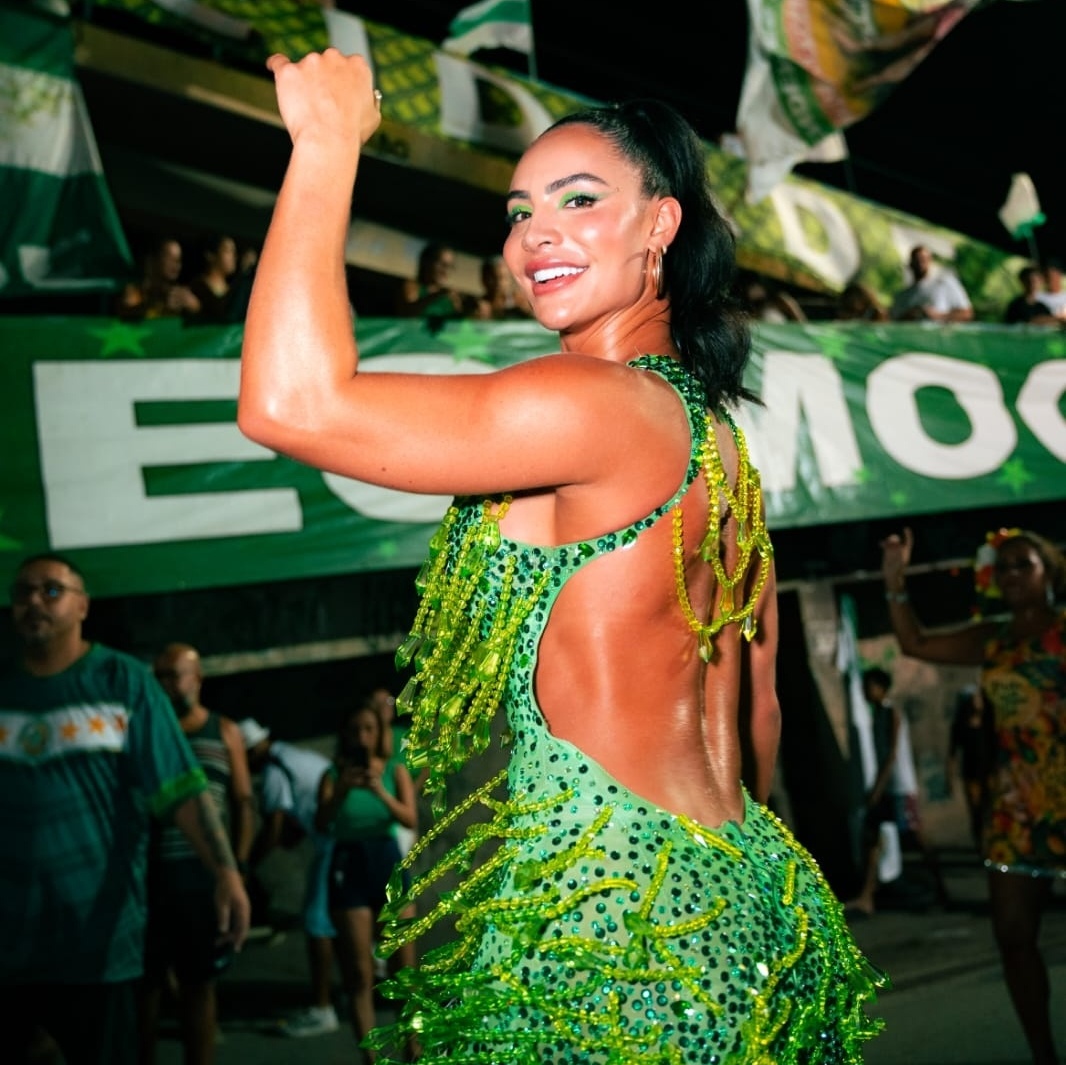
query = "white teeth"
{"x": 554, "y": 272}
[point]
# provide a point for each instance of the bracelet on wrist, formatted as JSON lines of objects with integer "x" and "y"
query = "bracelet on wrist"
{"x": 897, "y": 597}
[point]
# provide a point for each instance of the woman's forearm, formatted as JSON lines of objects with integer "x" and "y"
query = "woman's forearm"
{"x": 298, "y": 339}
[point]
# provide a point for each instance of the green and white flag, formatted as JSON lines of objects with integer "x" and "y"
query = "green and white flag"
{"x": 1020, "y": 213}
{"x": 816, "y": 67}
{"x": 491, "y": 24}
{"x": 59, "y": 231}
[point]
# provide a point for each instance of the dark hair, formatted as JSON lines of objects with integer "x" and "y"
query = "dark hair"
{"x": 1053, "y": 559}
{"x": 429, "y": 254}
{"x": 351, "y": 711}
{"x": 51, "y": 556}
{"x": 489, "y": 266}
{"x": 210, "y": 244}
{"x": 160, "y": 241}
{"x": 877, "y": 675}
{"x": 707, "y": 324}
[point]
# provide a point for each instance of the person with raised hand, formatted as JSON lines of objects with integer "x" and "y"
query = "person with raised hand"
{"x": 604, "y": 578}
{"x": 1021, "y": 652}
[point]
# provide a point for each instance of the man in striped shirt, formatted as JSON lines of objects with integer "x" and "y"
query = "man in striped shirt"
{"x": 182, "y": 940}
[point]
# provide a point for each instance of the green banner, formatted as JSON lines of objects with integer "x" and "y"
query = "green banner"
{"x": 59, "y": 232}
{"x": 121, "y": 446}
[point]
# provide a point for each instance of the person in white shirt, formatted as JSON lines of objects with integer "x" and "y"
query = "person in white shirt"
{"x": 288, "y": 801}
{"x": 1054, "y": 295}
{"x": 935, "y": 295}
{"x": 893, "y": 796}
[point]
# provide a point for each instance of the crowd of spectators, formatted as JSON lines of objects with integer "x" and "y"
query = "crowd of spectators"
{"x": 211, "y": 285}
{"x": 216, "y": 292}
{"x": 934, "y": 293}
{"x": 140, "y": 821}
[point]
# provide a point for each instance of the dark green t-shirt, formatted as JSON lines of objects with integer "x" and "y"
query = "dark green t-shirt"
{"x": 86, "y": 757}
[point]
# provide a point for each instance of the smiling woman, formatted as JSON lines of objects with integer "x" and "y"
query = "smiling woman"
{"x": 624, "y": 895}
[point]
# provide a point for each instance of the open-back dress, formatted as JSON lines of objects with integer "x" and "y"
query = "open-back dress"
{"x": 590, "y": 926}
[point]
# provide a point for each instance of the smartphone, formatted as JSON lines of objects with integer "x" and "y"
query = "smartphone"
{"x": 358, "y": 758}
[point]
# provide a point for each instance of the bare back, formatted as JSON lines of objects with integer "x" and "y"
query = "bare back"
{"x": 619, "y": 674}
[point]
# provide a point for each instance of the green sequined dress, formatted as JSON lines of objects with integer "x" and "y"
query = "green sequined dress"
{"x": 591, "y": 926}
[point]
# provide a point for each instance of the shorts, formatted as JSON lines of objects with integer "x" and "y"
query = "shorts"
{"x": 317, "y": 924}
{"x": 360, "y": 871}
{"x": 182, "y": 933}
{"x": 92, "y": 1024}
{"x": 899, "y": 810}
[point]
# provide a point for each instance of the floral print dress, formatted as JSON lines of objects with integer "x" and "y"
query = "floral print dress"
{"x": 1025, "y": 683}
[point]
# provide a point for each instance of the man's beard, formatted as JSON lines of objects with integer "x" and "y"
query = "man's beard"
{"x": 182, "y": 704}
{"x": 35, "y": 637}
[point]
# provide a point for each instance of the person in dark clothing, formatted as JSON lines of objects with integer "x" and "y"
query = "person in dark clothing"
{"x": 182, "y": 937}
{"x": 969, "y": 748}
{"x": 1027, "y": 308}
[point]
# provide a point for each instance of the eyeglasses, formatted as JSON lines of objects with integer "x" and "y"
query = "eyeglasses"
{"x": 23, "y": 591}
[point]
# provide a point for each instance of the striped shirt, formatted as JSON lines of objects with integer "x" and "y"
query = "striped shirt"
{"x": 213, "y": 755}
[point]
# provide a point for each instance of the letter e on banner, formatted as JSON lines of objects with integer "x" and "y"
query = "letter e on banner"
{"x": 93, "y": 455}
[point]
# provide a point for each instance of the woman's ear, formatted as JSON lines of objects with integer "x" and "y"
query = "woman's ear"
{"x": 666, "y": 222}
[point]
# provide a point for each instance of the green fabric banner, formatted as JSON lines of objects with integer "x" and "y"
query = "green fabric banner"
{"x": 121, "y": 447}
{"x": 64, "y": 235}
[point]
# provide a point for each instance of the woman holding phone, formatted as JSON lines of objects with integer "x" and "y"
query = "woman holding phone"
{"x": 362, "y": 799}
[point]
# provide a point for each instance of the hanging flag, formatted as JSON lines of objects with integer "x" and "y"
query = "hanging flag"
{"x": 59, "y": 232}
{"x": 849, "y": 663}
{"x": 491, "y": 24}
{"x": 1021, "y": 213}
{"x": 817, "y": 66}
{"x": 208, "y": 17}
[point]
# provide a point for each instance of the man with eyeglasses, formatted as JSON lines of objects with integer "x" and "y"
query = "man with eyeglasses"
{"x": 90, "y": 749}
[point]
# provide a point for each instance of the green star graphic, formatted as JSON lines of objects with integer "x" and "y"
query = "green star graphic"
{"x": 833, "y": 344}
{"x": 899, "y": 499}
{"x": 1014, "y": 475}
{"x": 863, "y": 475}
{"x": 388, "y": 549}
{"x": 8, "y": 543}
{"x": 121, "y": 337}
{"x": 467, "y": 342}
{"x": 1056, "y": 347}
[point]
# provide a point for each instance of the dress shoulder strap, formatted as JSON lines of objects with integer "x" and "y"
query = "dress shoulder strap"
{"x": 742, "y": 499}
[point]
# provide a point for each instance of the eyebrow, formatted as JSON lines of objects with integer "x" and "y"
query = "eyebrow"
{"x": 555, "y": 186}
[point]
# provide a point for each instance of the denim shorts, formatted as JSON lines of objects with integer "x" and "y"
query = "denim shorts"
{"x": 316, "y": 894}
{"x": 360, "y": 873}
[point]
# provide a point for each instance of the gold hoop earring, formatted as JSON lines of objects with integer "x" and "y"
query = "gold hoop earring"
{"x": 657, "y": 273}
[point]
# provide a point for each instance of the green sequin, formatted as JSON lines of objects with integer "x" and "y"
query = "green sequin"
{"x": 590, "y": 926}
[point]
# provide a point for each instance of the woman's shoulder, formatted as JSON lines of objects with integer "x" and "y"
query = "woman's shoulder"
{"x": 563, "y": 373}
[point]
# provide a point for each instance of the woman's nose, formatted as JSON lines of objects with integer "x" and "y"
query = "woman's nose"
{"x": 538, "y": 231}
